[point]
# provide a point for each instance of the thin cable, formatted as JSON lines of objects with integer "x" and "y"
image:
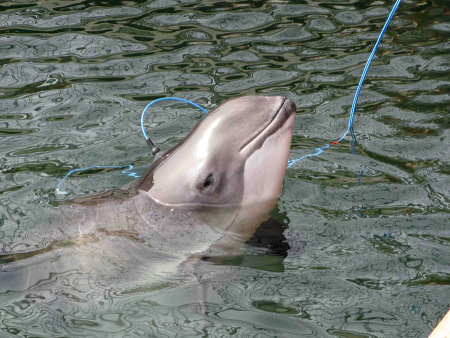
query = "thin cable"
{"x": 358, "y": 89}
{"x": 353, "y": 141}
{"x": 366, "y": 68}
{"x": 164, "y": 99}
{"x": 130, "y": 167}
{"x": 290, "y": 162}
{"x": 319, "y": 151}
{"x": 127, "y": 171}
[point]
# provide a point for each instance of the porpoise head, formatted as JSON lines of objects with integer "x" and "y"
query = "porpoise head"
{"x": 237, "y": 154}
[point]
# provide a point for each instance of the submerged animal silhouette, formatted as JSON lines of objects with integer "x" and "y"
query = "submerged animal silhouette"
{"x": 201, "y": 198}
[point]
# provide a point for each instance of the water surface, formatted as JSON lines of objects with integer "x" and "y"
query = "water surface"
{"x": 373, "y": 255}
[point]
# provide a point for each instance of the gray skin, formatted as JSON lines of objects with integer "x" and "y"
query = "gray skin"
{"x": 236, "y": 155}
{"x": 205, "y": 196}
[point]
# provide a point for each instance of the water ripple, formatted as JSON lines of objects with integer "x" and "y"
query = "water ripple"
{"x": 368, "y": 257}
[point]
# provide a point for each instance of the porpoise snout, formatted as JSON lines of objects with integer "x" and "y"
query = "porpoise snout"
{"x": 284, "y": 107}
{"x": 289, "y": 106}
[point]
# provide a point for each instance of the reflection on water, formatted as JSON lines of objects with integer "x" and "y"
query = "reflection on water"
{"x": 365, "y": 260}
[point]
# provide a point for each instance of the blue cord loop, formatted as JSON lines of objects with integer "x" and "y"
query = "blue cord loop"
{"x": 152, "y": 146}
{"x": 165, "y": 99}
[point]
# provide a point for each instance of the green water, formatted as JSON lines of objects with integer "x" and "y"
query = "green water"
{"x": 373, "y": 257}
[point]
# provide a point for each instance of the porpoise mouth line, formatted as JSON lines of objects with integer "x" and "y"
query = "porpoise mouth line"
{"x": 267, "y": 127}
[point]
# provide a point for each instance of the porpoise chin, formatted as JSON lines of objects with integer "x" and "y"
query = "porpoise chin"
{"x": 237, "y": 154}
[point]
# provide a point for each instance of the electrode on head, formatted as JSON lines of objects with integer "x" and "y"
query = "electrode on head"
{"x": 155, "y": 149}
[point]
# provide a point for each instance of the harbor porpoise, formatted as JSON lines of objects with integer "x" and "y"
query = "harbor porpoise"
{"x": 201, "y": 198}
{"x": 236, "y": 155}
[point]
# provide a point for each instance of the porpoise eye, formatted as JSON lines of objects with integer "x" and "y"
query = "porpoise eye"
{"x": 208, "y": 181}
{"x": 209, "y": 184}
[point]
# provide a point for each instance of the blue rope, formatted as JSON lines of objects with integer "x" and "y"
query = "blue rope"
{"x": 164, "y": 99}
{"x": 366, "y": 68}
{"x": 353, "y": 141}
{"x": 127, "y": 171}
{"x": 290, "y": 162}
{"x": 358, "y": 89}
{"x": 361, "y": 172}
{"x": 319, "y": 151}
